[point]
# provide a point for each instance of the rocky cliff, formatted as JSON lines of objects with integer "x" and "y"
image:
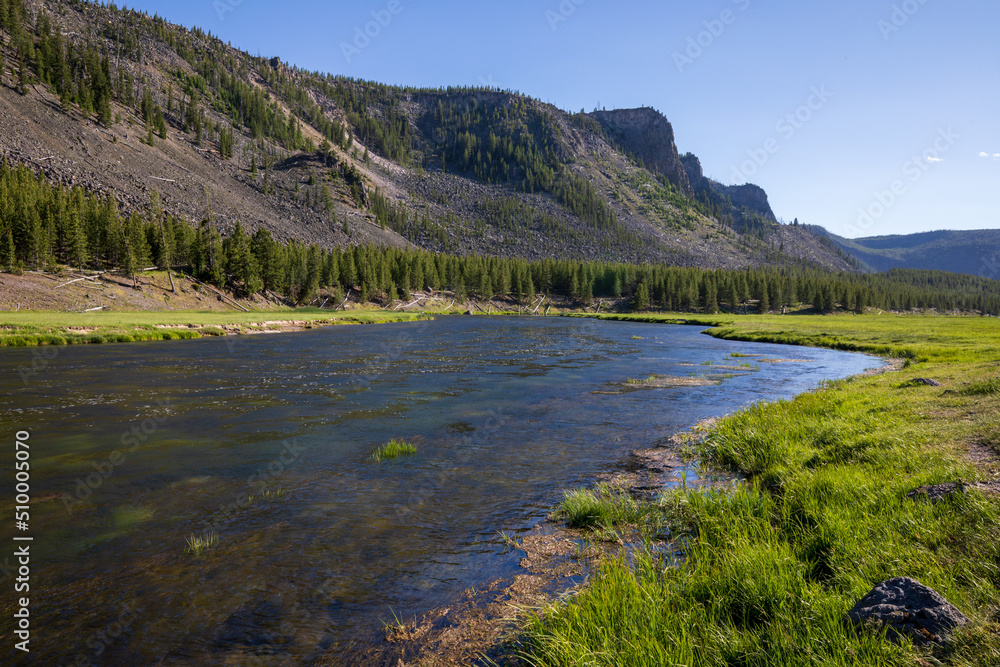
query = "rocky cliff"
{"x": 743, "y": 197}
{"x": 648, "y": 136}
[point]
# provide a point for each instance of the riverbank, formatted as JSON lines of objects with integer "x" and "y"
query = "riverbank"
{"x": 23, "y": 329}
{"x": 773, "y": 565}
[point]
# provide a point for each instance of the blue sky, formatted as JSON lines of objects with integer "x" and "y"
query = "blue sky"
{"x": 868, "y": 117}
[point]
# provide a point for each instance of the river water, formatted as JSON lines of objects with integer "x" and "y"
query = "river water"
{"x": 264, "y": 442}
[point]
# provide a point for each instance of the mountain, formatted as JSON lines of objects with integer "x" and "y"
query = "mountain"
{"x": 120, "y": 101}
{"x": 972, "y": 252}
{"x": 745, "y": 202}
{"x": 649, "y": 138}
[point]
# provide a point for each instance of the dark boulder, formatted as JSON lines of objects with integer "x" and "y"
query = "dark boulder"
{"x": 936, "y": 492}
{"x": 909, "y": 609}
{"x": 921, "y": 382}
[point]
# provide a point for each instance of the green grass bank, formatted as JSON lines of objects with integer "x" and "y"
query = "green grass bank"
{"x": 771, "y": 568}
{"x": 30, "y": 328}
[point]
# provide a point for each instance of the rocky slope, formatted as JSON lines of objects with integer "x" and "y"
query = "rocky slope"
{"x": 648, "y": 136}
{"x": 458, "y": 170}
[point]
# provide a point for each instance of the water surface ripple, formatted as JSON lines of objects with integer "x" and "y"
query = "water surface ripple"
{"x": 265, "y": 442}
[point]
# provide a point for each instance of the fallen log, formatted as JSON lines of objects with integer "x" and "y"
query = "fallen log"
{"x": 71, "y": 282}
{"x": 415, "y": 301}
{"x": 346, "y": 299}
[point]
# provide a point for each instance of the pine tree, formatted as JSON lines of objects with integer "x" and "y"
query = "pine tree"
{"x": 640, "y": 300}
{"x": 241, "y": 263}
{"x": 7, "y": 253}
{"x": 76, "y": 240}
{"x": 712, "y": 298}
{"x": 101, "y": 85}
{"x": 861, "y": 301}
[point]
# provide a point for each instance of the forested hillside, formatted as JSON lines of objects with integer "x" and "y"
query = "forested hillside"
{"x": 50, "y": 224}
{"x": 121, "y": 102}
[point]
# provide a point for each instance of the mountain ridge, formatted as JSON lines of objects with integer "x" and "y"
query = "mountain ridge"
{"x": 973, "y": 252}
{"x": 219, "y": 134}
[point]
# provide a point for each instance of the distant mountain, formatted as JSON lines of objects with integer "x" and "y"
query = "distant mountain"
{"x": 973, "y": 252}
{"x": 119, "y": 101}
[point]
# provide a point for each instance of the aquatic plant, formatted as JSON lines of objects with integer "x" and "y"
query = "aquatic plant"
{"x": 392, "y": 450}
{"x": 196, "y": 544}
{"x": 509, "y": 541}
{"x": 272, "y": 495}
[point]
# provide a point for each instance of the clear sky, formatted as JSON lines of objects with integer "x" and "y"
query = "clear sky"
{"x": 868, "y": 117}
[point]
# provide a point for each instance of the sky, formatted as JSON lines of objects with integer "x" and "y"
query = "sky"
{"x": 868, "y": 117}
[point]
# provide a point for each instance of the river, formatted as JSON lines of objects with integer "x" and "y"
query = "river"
{"x": 264, "y": 442}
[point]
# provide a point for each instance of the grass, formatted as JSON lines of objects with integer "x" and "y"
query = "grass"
{"x": 196, "y": 544}
{"x": 33, "y": 328}
{"x": 509, "y": 541}
{"x": 771, "y": 567}
{"x": 392, "y": 450}
{"x": 603, "y": 507}
{"x": 984, "y": 388}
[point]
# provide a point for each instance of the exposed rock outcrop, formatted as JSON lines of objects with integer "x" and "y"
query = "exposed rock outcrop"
{"x": 936, "y": 492}
{"x": 748, "y": 196}
{"x": 648, "y": 135}
{"x": 921, "y": 382}
{"x": 909, "y": 609}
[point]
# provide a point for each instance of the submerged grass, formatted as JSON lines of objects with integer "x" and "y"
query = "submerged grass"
{"x": 197, "y": 544}
{"x": 772, "y": 567}
{"x": 393, "y": 450}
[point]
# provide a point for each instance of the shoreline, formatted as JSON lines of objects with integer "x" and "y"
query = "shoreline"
{"x": 486, "y": 626}
{"x": 40, "y": 328}
{"x": 833, "y": 479}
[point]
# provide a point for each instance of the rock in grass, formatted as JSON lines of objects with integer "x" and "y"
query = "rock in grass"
{"x": 909, "y": 609}
{"x": 921, "y": 382}
{"x": 936, "y": 492}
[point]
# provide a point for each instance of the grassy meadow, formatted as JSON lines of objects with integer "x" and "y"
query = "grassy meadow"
{"x": 56, "y": 328}
{"x": 771, "y": 567}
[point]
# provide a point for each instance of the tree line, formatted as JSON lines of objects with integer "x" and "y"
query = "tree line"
{"x": 44, "y": 225}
